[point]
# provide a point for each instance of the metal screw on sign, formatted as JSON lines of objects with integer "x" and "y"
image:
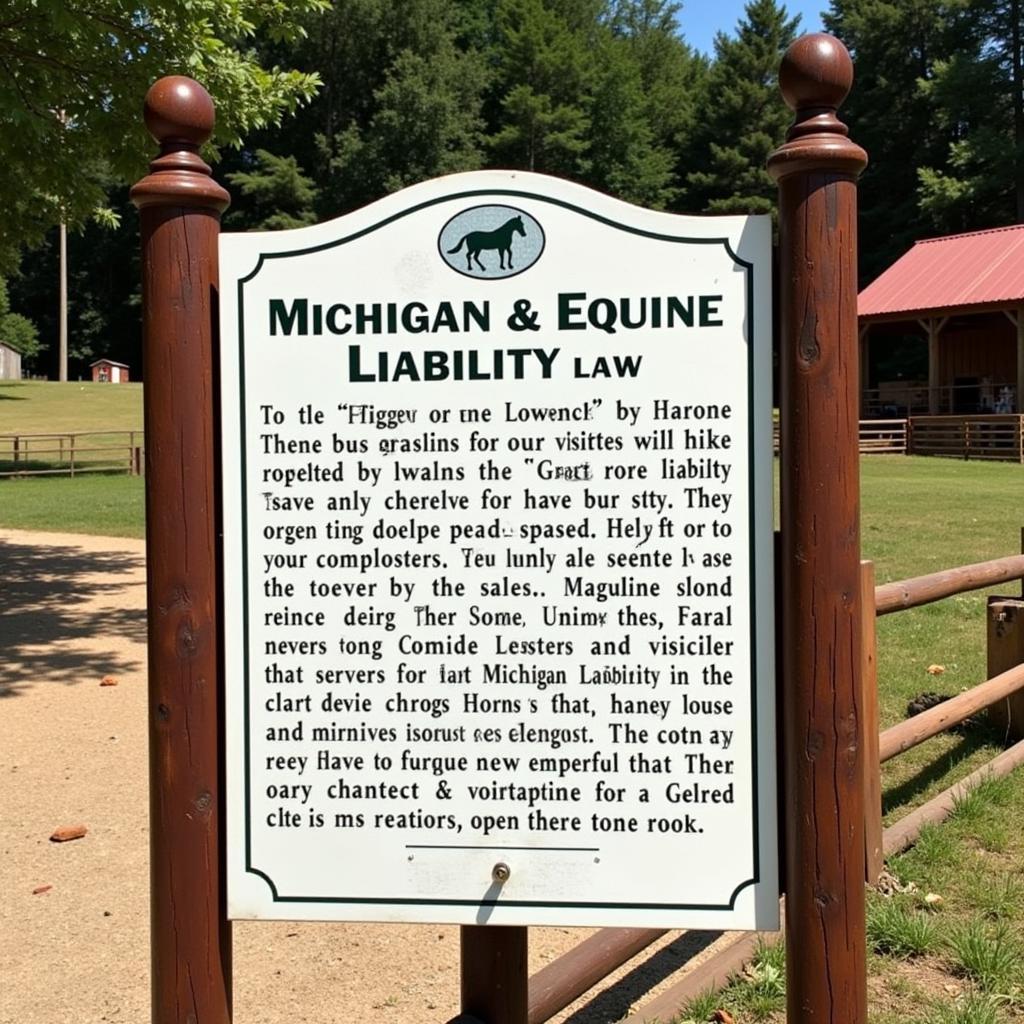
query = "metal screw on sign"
{"x": 501, "y": 872}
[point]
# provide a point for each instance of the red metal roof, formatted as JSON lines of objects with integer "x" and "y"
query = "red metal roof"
{"x": 949, "y": 273}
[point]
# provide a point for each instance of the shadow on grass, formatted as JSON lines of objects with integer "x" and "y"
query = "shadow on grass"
{"x": 4, "y": 397}
{"x": 615, "y": 1003}
{"x": 51, "y": 597}
{"x": 979, "y": 736}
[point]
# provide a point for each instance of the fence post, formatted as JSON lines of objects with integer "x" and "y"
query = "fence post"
{"x": 874, "y": 856}
{"x": 1006, "y": 650}
{"x": 494, "y": 974}
{"x": 816, "y": 170}
{"x": 179, "y": 207}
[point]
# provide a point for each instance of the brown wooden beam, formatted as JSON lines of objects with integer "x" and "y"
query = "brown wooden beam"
{"x": 555, "y": 986}
{"x": 494, "y": 973}
{"x": 904, "y": 735}
{"x": 816, "y": 169}
{"x": 180, "y": 207}
{"x": 910, "y": 593}
{"x": 906, "y": 831}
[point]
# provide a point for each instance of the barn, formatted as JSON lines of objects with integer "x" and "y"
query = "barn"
{"x": 942, "y": 329}
{"x": 109, "y": 372}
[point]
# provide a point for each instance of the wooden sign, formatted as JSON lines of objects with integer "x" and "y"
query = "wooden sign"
{"x": 497, "y": 541}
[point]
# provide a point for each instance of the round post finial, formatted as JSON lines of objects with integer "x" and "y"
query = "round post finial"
{"x": 179, "y": 109}
{"x": 180, "y": 116}
{"x": 815, "y": 77}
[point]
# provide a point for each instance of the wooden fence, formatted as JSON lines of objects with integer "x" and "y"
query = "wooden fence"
{"x": 993, "y": 437}
{"x": 996, "y": 438}
{"x": 877, "y": 437}
{"x": 559, "y": 983}
{"x": 96, "y": 451}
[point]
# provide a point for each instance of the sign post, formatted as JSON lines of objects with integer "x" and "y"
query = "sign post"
{"x": 180, "y": 207}
{"x": 817, "y": 169}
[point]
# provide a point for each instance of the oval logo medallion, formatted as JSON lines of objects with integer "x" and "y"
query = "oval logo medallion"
{"x": 491, "y": 242}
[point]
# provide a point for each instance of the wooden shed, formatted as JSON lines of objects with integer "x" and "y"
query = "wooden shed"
{"x": 10, "y": 363}
{"x": 942, "y": 330}
{"x": 109, "y": 372}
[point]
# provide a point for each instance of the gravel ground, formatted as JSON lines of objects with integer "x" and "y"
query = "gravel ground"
{"x": 72, "y": 610}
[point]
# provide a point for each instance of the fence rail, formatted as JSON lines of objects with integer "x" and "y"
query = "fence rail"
{"x": 69, "y": 454}
{"x": 998, "y": 438}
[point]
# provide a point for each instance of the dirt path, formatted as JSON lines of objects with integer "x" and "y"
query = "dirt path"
{"x": 72, "y": 610}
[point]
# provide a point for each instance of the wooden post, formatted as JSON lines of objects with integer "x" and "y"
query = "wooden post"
{"x": 816, "y": 170}
{"x": 874, "y": 857}
{"x": 180, "y": 207}
{"x": 1020, "y": 360}
{"x": 1005, "y": 651}
{"x": 494, "y": 974}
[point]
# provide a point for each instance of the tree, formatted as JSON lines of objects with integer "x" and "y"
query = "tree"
{"x": 16, "y": 330}
{"x": 544, "y": 75}
{"x": 978, "y": 96}
{"x": 742, "y": 116}
{"x": 274, "y": 194}
{"x": 400, "y": 98}
{"x": 893, "y": 114}
{"x": 74, "y": 76}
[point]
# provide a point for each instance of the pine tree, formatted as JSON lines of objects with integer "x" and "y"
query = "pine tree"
{"x": 544, "y": 75}
{"x": 743, "y": 116}
{"x": 896, "y": 46}
{"x": 400, "y": 99}
{"x": 978, "y": 97}
{"x": 671, "y": 81}
{"x": 275, "y": 194}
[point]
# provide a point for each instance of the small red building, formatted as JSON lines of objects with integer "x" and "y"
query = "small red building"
{"x": 106, "y": 371}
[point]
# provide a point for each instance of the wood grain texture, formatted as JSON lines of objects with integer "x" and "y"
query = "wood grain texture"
{"x": 822, "y": 712}
{"x": 874, "y": 858}
{"x": 494, "y": 973}
{"x": 1005, "y": 650}
{"x": 910, "y": 593}
{"x": 558, "y": 984}
{"x": 180, "y": 220}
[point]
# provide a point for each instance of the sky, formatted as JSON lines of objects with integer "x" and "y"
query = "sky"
{"x": 699, "y": 20}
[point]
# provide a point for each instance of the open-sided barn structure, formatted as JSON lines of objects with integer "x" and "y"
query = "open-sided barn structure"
{"x": 942, "y": 343}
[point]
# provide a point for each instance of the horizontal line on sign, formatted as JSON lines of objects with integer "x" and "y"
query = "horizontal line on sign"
{"x": 532, "y": 849}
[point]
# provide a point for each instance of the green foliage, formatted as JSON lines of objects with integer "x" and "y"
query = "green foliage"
{"x": 742, "y": 117}
{"x": 938, "y": 108}
{"x": 544, "y": 77}
{"x": 978, "y": 94}
{"x": 275, "y": 195}
{"x": 896, "y": 928}
{"x": 16, "y": 330}
{"x": 990, "y": 956}
{"x": 972, "y": 1008}
{"x": 75, "y": 76}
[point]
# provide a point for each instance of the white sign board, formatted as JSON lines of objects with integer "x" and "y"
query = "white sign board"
{"x": 497, "y": 541}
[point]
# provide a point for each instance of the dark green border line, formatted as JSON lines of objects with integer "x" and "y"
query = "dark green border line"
{"x": 748, "y": 269}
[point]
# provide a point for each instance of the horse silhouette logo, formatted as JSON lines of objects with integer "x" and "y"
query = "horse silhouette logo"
{"x": 512, "y": 234}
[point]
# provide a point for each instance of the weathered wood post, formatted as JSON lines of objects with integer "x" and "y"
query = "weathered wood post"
{"x": 816, "y": 170}
{"x": 180, "y": 207}
{"x": 1006, "y": 651}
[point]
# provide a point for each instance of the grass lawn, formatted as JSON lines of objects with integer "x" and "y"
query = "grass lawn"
{"x": 44, "y": 407}
{"x": 108, "y": 505}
